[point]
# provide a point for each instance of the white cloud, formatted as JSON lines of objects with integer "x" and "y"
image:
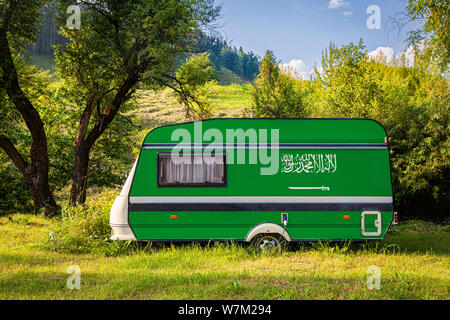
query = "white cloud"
{"x": 298, "y": 67}
{"x": 347, "y": 13}
{"x": 386, "y": 54}
{"x": 382, "y": 54}
{"x": 334, "y": 4}
{"x": 407, "y": 58}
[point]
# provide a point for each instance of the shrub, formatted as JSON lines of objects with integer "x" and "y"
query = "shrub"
{"x": 85, "y": 229}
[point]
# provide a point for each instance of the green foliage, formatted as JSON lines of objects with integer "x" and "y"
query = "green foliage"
{"x": 123, "y": 46}
{"x": 196, "y": 71}
{"x": 196, "y": 86}
{"x": 434, "y": 37}
{"x": 350, "y": 87}
{"x": 412, "y": 104}
{"x": 276, "y": 93}
{"x": 85, "y": 229}
{"x": 14, "y": 192}
{"x": 112, "y": 155}
{"x": 34, "y": 83}
{"x": 122, "y": 37}
{"x": 20, "y": 18}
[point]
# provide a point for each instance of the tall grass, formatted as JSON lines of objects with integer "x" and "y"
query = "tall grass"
{"x": 85, "y": 229}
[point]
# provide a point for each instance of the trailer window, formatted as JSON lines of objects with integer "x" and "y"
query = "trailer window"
{"x": 194, "y": 170}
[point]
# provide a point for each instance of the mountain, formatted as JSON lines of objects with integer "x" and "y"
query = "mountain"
{"x": 232, "y": 65}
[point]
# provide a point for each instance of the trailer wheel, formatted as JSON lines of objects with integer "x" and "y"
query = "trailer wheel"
{"x": 268, "y": 243}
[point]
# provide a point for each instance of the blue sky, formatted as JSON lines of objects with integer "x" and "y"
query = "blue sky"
{"x": 299, "y": 29}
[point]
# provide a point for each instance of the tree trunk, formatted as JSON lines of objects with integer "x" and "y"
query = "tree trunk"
{"x": 40, "y": 191}
{"x": 35, "y": 173}
{"x": 84, "y": 141}
{"x": 81, "y": 153}
{"x": 80, "y": 174}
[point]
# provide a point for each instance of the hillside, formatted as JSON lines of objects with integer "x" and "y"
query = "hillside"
{"x": 226, "y": 77}
{"x": 160, "y": 108}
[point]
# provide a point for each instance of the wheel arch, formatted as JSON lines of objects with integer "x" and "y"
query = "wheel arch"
{"x": 264, "y": 228}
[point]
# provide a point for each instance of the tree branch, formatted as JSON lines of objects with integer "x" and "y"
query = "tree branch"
{"x": 9, "y": 13}
{"x": 13, "y": 154}
{"x": 129, "y": 121}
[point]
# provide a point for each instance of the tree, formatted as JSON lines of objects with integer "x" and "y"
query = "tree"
{"x": 196, "y": 76}
{"x": 433, "y": 38}
{"x": 275, "y": 93}
{"x": 18, "y": 21}
{"x": 121, "y": 46}
{"x": 350, "y": 88}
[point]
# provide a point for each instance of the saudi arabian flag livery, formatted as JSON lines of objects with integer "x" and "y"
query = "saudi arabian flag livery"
{"x": 247, "y": 179}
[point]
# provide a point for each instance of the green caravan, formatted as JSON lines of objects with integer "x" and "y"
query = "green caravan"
{"x": 259, "y": 180}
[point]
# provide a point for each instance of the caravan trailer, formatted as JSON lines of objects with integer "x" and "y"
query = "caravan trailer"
{"x": 258, "y": 180}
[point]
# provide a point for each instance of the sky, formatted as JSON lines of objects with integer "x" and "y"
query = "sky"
{"x": 297, "y": 31}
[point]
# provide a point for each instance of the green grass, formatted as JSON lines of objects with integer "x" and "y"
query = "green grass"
{"x": 232, "y": 100}
{"x": 414, "y": 262}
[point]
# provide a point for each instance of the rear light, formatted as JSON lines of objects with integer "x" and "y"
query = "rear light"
{"x": 395, "y": 218}
{"x": 386, "y": 140}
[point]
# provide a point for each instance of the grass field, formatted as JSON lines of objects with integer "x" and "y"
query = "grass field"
{"x": 161, "y": 108}
{"x": 414, "y": 262}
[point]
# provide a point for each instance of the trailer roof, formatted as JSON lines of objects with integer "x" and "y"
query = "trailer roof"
{"x": 290, "y": 130}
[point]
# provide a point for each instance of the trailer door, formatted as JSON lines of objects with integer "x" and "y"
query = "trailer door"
{"x": 371, "y": 223}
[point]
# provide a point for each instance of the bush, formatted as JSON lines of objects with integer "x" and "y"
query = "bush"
{"x": 422, "y": 226}
{"x": 85, "y": 229}
{"x": 14, "y": 192}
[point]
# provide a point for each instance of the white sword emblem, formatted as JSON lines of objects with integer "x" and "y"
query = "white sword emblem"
{"x": 311, "y": 188}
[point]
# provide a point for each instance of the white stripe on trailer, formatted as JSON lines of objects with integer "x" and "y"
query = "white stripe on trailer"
{"x": 282, "y": 146}
{"x": 238, "y": 199}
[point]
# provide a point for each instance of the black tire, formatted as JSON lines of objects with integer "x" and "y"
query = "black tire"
{"x": 268, "y": 243}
